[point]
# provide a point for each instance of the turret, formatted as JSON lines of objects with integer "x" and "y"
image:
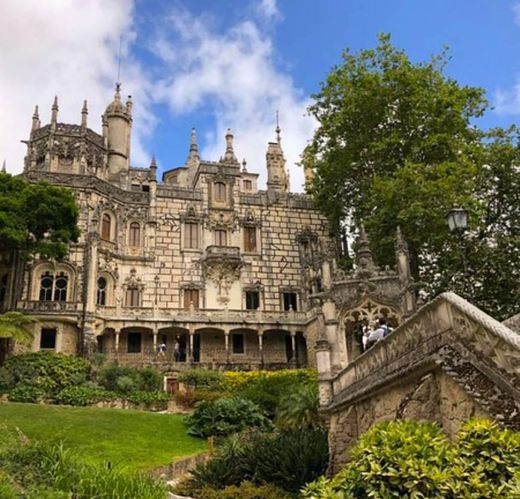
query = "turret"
{"x": 277, "y": 179}
{"x": 229, "y": 155}
{"x": 84, "y": 115}
{"x": 35, "y": 120}
{"x": 54, "y": 113}
{"x": 364, "y": 257}
{"x": 193, "y": 155}
{"x": 118, "y": 118}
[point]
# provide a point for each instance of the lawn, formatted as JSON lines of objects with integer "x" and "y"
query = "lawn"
{"x": 136, "y": 440}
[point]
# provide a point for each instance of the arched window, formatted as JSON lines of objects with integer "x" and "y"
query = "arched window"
{"x": 220, "y": 191}
{"x": 106, "y": 227}
{"x": 60, "y": 287}
{"x": 46, "y": 285}
{"x": 135, "y": 234}
{"x": 101, "y": 291}
{"x": 3, "y": 287}
{"x": 132, "y": 297}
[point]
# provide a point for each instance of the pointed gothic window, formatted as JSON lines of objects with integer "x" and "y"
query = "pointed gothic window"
{"x": 46, "y": 285}
{"x": 60, "y": 287}
{"x": 106, "y": 227}
{"x": 135, "y": 235}
{"x": 101, "y": 291}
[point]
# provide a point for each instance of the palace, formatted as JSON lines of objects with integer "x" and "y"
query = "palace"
{"x": 199, "y": 267}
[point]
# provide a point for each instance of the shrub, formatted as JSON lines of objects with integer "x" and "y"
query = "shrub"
{"x": 285, "y": 459}
{"x": 410, "y": 459}
{"x": 50, "y": 371}
{"x": 6, "y": 380}
{"x": 201, "y": 378}
{"x": 26, "y": 393}
{"x": 126, "y": 379}
{"x": 148, "y": 398}
{"x": 225, "y": 416}
{"x": 246, "y": 490}
{"x": 300, "y": 409}
{"x": 82, "y": 395}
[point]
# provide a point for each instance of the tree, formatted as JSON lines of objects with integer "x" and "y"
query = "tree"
{"x": 16, "y": 326}
{"x": 396, "y": 146}
{"x": 36, "y": 218}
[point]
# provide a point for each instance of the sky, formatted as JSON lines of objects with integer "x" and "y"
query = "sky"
{"x": 218, "y": 64}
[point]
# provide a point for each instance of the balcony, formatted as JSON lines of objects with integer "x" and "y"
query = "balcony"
{"x": 36, "y": 306}
{"x": 228, "y": 253}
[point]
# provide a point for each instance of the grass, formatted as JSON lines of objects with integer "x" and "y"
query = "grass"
{"x": 133, "y": 439}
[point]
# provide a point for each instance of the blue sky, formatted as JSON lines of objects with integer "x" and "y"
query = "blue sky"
{"x": 228, "y": 63}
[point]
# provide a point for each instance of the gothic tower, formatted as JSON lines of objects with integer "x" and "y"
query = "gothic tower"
{"x": 277, "y": 178}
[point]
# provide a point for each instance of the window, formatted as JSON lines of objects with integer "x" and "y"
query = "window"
{"x": 60, "y": 287}
{"x": 252, "y": 300}
{"x": 3, "y": 287}
{"x": 135, "y": 235}
{"x": 290, "y": 301}
{"x": 220, "y": 192}
{"x": 134, "y": 342}
{"x": 48, "y": 339}
{"x": 46, "y": 285}
{"x": 106, "y": 227}
{"x": 237, "y": 341}
{"x": 220, "y": 237}
{"x": 132, "y": 297}
{"x": 101, "y": 291}
{"x": 249, "y": 238}
{"x": 191, "y": 296}
{"x": 191, "y": 235}
{"x": 248, "y": 185}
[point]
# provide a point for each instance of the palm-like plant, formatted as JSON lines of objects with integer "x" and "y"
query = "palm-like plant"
{"x": 300, "y": 409}
{"x": 16, "y": 326}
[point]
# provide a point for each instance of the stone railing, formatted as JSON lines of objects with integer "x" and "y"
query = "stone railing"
{"x": 222, "y": 252}
{"x": 447, "y": 324}
{"x": 35, "y": 306}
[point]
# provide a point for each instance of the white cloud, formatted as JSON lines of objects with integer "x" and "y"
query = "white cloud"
{"x": 67, "y": 48}
{"x": 268, "y": 9}
{"x": 233, "y": 75}
{"x": 508, "y": 101}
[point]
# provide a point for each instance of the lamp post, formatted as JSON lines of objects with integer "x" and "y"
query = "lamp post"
{"x": 457, "y": 219}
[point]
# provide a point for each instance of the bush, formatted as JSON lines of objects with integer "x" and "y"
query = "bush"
{"x": 285, "y": 459}
{"x": 300, "y": 409}
{"x": 201, "y": 378}
{"x": 246, "y": 490}
{"x": 26, "y": 393}
{"x": 410, "y": 459}
{"x": 225, "y": 416}
{"x": 82, "y": 395}
{"x": 50, "y": 371}
{"x": 148, "y": 399}
{"x": 125, "y": 379}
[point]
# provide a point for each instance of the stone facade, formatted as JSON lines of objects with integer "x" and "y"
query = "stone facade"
{"x": 201, "y": 258}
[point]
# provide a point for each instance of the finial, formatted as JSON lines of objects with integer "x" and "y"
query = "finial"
{"x": 84, "y": 114}
{"x": 244, "y": 163}
{"x": 362, "y": 233}
{"x": 229, "y": 156}
{"x": 35, "y": 119}
{"x": 4, "y": 169}
{"x": 153, "y": 164}
{"x": 54, "y": 114}
{"x": 117, "y": 95}
{"x": 400, "y": 243}
{"x": 194, "y": 146}
{"x": 278, "y": 129}
{"x": 129, "y": 105}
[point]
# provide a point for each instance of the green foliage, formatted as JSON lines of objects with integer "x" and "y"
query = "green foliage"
{"x": 82, "y": 395}
{"x": 190, "y": 397}
{"x": 16, "y": 326}
{"x": 397, "y": 145}
{"x": 246, "y": 490}
{"x": 23, "y": 392}
{"x": 300, "y": 409}
{"x": 47, "y": 370}
{"x": 285, "y": 459}
{"x": 126, "y": 379}
{"x": 36, "y": 217}
{"x": 225, "y": 416}
{"x": 410, "y": 459}
{"x": 48, "y": 470}
{"x": 201, "y": 378}
{"x": 149, "y": 399}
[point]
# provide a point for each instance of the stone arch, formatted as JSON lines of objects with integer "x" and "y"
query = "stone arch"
{"x": 365, "y": 312}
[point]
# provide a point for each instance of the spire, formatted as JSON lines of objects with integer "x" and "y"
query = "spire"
{"x": 229, "y": 156}
{"x": 402, "y": 256}
{"x": 278, "y": 129}
{"x": 129, "y": 105}
{"x": 153, "y": 168}
{"x": 4, "y": 169}
{"x": 35, "y": 119}
{"x": 244, "y": 164}
{"x": 364, "y": 257}
{"x": 277, "y": 179}
{"x": 54, "y": 113}
{"x": 84, "y": 114}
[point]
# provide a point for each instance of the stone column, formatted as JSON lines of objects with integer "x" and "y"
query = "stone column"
{"x": 91, "y": 283}
{"x": 261, "y": 345}
{"x": 226, "y": 343}
{"x": 155, "y": 334}
{"x": 192, "y": 334}
{"x": 293, "y": 347}
{"x": 116, "y": 345}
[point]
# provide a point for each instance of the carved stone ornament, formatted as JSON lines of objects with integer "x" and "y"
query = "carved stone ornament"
{"x": 132, "y": 281}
